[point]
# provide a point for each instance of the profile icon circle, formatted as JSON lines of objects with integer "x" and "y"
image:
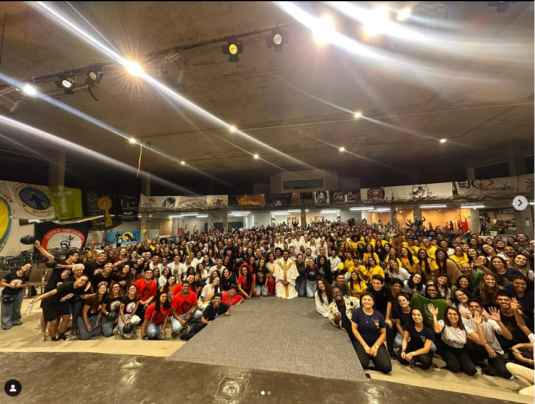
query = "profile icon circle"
{"x": 13, "y": 388}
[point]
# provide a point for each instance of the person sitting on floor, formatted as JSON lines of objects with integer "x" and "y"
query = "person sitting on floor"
{"x": 210, "y": 313}
{"x": 156, "y": 317}
{"x": 185, "y": 310}
{"x": 232, "y": 298}
{"x": 369, "y": 331}
{"x": 127, "y": 313}
{"x": 418, "y": 339}
{"x": 520, "y": 371}
{"x": 89, "y": 323}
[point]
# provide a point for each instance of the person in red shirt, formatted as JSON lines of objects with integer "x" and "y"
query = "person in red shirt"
{"x": 246, "y": 283}
{"x": 232, "y": 298}
{"x": 185, "y": 310}
{"x": 146, "y": 289}
{"x": 156, "y": 319}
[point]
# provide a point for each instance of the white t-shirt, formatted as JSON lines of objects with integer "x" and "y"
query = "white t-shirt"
{"x": 453, "y": 337}
{"x": 196, "y": 261}
{"x": 490, "y": 327}
{"x": 178, "y": 269}
{"x": 335, "y": 262}
{"x": 403, "y": 274}
{"x": 214, "y": 268}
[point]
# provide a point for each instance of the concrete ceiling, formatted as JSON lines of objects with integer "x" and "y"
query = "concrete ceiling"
{"x": 476, "y": 92}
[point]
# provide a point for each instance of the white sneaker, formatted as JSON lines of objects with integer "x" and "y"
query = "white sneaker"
{"x": 478, "y": 370}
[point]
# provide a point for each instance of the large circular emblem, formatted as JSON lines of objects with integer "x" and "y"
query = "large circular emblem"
{"x": 5, "y": 220}
{"x": 33, "y": 199}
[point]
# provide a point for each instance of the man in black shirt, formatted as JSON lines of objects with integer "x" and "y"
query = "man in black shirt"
{"x": 95, "y": 267}
{"x": 383, "y": 304}
{"x": 105, "y": 277}
{"x": 210, "y": 313}
{"x": 145, "y": 248}
{"x": 12, "y": 295}
{"x": 56, "y": 305}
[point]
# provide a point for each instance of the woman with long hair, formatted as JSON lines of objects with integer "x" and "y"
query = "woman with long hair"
{"x": 444, "y": 287}
{"x": 418, "y": 339}
{"x": 261, "y": 279}
{"x": 89, "y": 323}
{"x": 370, "y": 253}
{"x": 89, "y": 257}
{"x": 401, "y": 315}
{"x": 463, "y": 282}
{"x": 110, "y": 309}
{"x": 323, "y": 297}
{"x": 162, "y": 280}
{"x": 361, "y": 250}
{"x": 407, "y": 260}
{"x": 444, "y": 245}
{"x": 426, "y": 264}
{"x": 453, "y": 348}
{"x": 156, "y": 317}
{"x": 356, "y": 285}
{"x": 209, "y": 291}
{"x": 169, "y": 287}
{"x": 415, "y": 285}
{"x": 127, "y": 313}
{"x": 246, "y": 284}
{"x": 504, "y": 275}
{"x": 460, "y": 301}
{"x": 521, "y": 263}
{"x": 490, "y": 252}
{"x": 373, "y": 269}
{"x": 487, "y": 291}
{"x": 346, "y": 248}
{"x": 445, "y": 265}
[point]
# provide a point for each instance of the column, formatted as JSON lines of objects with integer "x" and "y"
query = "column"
{"x": 393, "y": 216}
{"x": 303, "y": 218}
{"x": 144, "y": 224}
{"x": 476, "y": 222}
{"x": 225, "y": 221}
{"x": 56, "y": 168}
{"x": 416, "y": 213}
{"x": 515, "y": 157}
{"x": 145, "y": 183}
{"x": 273, "y": 221}
{"x": 470, "y": 173}
{"x": 524, "y": 221}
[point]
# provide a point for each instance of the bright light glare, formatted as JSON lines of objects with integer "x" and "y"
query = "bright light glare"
{"x": 404, "y": 14}
{"x": 256, "y": 156}
{"x": 232, "y": 128}
{"x": 377, "y": 22}
{"x": 342, "y": 149}
{"x": 28, "y": 89}
{"x": 358, "y": 114}
{"x": 277, "y": 39}
{"x": 133, "y": 68}
{"x": 324, "y": 30}
{"x": 443, "y": 140}
{"x": 132, "y": 140}
{"x": 183, "y": 163}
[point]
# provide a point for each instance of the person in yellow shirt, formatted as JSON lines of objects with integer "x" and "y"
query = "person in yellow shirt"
{"x": 426, "y": 264}
{"x": 361, "y": 250}
{"x": 346, "y": 248}
{"x": 356, "y": 285}
{"x": 407, "y": 260}
{"x": 348, "y": 264}
{"x": 370, "y": 253}
{"x": 429, "y": 248}
{"x": 374, "y": 269}
{"x": 459, "y": 256}
{"x": 358, "y": 267}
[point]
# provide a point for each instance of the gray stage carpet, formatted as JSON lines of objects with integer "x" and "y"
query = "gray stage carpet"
{"x": 277, "y": 335}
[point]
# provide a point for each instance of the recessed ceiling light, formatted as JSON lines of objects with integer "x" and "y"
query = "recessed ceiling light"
{"x": 133, "y": 68}
{"x": 256, "y": 156}
{"x": 28, "y": 89}
{"x": 443, "y": 140}
{"x": 232, "y": 128}
{"x": 358, "y": 114}
{"x": 132, "y": 140}
{"x": 183, "y": 162}
{"x": 342, "y": 149}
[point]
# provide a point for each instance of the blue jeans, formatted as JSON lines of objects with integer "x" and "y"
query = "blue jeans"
{"x": 154, "y": 331}
{"x": 107, "y": 327}
{"x": 11, "y": 312}
{"x": 300, "y": 285}
{"x": 177, "y": 327}
{"x": 84, "y": 334}
{"x": 260, "y": 291}
{"x": 311, "y": 288}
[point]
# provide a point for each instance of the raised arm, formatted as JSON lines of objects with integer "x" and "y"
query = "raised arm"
{"x": 436, "y": 326}
{"x": 43, "y": 252}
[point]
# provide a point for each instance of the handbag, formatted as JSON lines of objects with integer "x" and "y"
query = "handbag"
{"x": 8, "y": 299}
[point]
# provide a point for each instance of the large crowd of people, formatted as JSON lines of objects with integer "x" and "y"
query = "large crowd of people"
{"x": 407, "y": 293}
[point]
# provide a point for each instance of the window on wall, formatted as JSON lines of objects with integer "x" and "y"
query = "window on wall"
{"x": 302, "y": 184}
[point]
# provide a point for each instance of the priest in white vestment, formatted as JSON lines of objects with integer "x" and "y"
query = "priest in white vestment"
{"x": 285, "y": 275}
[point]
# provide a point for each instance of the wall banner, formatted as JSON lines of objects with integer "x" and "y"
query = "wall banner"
{"x": 249, "y": 199}
{"x": 52, "y": 235}
{"x": 376, "y": 194}
{"x": 321, "y": 197}
{"x": 32, "y": 202}
{"x": 67, "y": 202}
{"x": 274, "y": 200}
{"x": 422, "y": 192}
{"x": 217, "y": 201}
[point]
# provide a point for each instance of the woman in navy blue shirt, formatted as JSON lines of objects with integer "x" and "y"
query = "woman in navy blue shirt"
{"x": 368, "y": 326}
{"x": 418, "y": 339}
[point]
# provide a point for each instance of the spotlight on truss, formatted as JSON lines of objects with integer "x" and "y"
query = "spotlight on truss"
{"x": 233, "y": 48}
{"x": 277, "y": 39}
{"x": 66, "y": 83}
